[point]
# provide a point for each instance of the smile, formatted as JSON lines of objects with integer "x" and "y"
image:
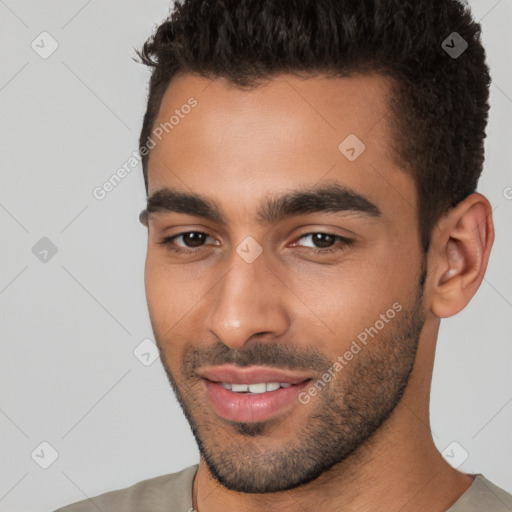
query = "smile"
{"x": 255, "y": 389}
{"x": 252, "y": 393}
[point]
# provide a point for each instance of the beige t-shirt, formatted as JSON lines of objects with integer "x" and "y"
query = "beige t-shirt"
{"x": 173, "y": 493}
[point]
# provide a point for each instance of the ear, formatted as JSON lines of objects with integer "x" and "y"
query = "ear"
{"x": 143, "y": 218}
{"x": 461, "y": 245}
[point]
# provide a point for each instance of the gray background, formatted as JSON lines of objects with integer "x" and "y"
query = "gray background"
{"x": 69, "y": 325}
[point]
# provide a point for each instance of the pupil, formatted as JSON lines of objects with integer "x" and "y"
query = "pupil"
{"x": 318, "y": 238}
{"x": 194, "y": 238}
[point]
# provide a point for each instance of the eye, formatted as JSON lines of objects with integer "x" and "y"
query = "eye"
{"x": 194, "y": 241}
{"x": 191, "y": 240}
{"x": 326, "y": 241}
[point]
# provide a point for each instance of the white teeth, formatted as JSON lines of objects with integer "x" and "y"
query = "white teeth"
{"x": 258, "y": 388}
{"x": 239, "y": 387}
{"x": 261, "y": 387}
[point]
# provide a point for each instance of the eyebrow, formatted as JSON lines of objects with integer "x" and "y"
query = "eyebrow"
{"x": 331, "y": 198}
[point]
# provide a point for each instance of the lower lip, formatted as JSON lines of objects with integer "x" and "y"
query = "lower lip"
{"x": 247, "y": 408}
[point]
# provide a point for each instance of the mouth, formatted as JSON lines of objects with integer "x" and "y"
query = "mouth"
{"x": 255, "y": 389}
{"x": 252, "y": 394}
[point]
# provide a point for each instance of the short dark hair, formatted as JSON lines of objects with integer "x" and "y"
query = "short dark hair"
{"x": 439, "y": 102}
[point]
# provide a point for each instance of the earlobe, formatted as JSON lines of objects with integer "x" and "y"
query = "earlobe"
{"x": 464, "y": 239}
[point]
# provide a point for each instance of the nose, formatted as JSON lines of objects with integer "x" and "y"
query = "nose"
{"x": 250, "y": 300}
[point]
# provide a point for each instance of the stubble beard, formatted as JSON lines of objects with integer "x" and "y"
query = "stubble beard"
{"x": 344, "y": 415}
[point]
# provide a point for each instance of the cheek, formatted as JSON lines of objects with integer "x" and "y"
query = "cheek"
{"x": 165, "y": 306}
{"x": 173, "y": 294}
{"x": 153, "y": 283}
{"x": 352, "y": 297}
{"x": 162, "y": 293}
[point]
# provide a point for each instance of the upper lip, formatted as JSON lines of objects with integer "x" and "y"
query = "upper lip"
{"x": 250, "y": 375}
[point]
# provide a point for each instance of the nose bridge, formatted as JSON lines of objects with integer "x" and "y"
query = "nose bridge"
{"x": 246, "y": 301}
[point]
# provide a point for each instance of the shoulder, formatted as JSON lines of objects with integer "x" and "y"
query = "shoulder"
{"x": 483, "y": 496}
{"x": 162, "y": 493}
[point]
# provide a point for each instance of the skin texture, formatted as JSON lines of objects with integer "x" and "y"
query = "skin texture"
{"x": 359, "y": 444}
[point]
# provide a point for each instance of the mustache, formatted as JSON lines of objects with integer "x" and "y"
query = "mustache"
{"x": 273, "y": 354}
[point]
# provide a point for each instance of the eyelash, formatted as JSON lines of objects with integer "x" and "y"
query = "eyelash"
{"x": 168, "y": 242}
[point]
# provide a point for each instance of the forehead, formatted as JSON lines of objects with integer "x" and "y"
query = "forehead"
{"x": 242, "y": 144}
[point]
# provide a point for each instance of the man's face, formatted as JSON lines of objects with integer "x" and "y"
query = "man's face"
{"x": 328, "y": 292}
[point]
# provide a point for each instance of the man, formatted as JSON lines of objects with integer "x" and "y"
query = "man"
{"x": 311, "y": 169}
